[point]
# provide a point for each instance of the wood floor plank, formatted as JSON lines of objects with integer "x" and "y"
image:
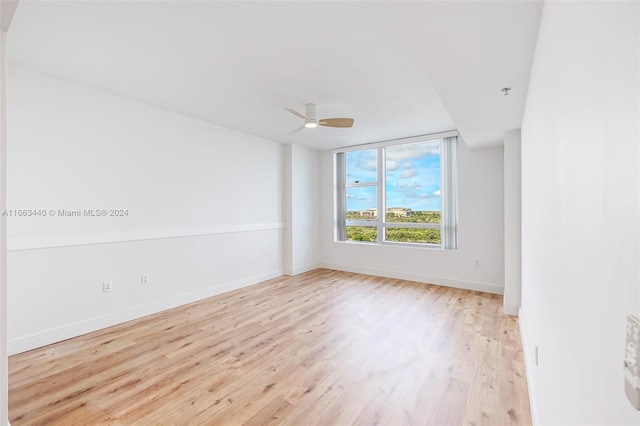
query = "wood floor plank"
{"x": 324, "y": 347}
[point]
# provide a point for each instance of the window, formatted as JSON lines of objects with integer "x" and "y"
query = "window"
{"x": 413, "y": 182}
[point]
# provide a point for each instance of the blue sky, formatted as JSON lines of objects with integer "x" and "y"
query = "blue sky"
{"x": 413, "y": 177}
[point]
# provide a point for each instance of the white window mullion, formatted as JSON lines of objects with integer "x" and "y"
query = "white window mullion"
{"x": 411, "y": 225}
{"x": 363, "y": 222}
{"x": 361, "y": 185}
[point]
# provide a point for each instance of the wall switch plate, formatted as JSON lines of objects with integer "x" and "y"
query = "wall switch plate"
{"x": 144, "y": 279}
{"x": 632, "y": 361}
{"x": 107, "y": 286}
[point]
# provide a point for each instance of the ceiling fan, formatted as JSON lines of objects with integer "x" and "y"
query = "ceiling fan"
{"x": 311, "y": 121}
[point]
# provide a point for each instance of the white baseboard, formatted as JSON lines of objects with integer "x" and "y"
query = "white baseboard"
{"x": 467, "y": 285}
{"x": 528, "y": 366}
{"x": 510, "y": 309}
{"x": 302, "y": 269}
{"x": 52, "y": 336}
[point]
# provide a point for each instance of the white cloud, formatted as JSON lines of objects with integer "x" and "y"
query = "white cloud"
{"x": 362, "y": 160}
{"x": 392, "y": 165}
{"x": 357, "y": 197}
{"x": 418, "y": 195}
{"x": 413, "y": 151}
{"x": 408, "y": 165}
{"x": 408, "y": 173}
{"x": 409, "y": 185}
{"x": 437, "y": 193}
{"x": 413, "y": 194}
{"x": 370, "y": 165}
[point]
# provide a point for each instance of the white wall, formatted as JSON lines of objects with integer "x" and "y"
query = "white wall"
{"x": 204, "y": 202}
{"x": 4, "y": 368}
{"x": 512, "y": 223}
{"x": 305, "y": 214}
{"x": 580, "y": 211}
{"x": 481, "y": 232}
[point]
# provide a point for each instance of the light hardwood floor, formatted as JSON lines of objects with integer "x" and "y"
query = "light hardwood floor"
{"x": 325, "y": 348}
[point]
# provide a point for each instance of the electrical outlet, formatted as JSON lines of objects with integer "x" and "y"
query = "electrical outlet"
{"x": 107, "y": 286}
{"x": 632, "y": 361}
{"x": 144, "y": 279}
{"x": 477, "y": 264}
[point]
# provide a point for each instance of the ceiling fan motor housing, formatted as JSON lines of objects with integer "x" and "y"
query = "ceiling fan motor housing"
{"x": 310, "y": 112}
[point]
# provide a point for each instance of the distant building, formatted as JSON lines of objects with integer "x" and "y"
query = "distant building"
{"x": 397, "y": 211}
{"x": 370, "y": 213}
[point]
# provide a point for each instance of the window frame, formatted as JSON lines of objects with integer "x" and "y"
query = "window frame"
{"x": 448, "y": 189}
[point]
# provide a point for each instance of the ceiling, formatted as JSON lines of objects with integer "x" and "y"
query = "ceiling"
{"x": 399, "y": 69}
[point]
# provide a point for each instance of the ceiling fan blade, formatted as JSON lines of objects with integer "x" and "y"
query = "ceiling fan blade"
{"x": 296, "y": 113}
{"x": 336, "y": 122}
{"x": 296, "y": 130}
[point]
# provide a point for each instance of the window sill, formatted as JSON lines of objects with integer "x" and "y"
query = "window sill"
{"x": 394, "y": 244}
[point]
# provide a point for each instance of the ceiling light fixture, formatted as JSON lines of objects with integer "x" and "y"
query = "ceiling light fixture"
{"x": 311, "y": 121}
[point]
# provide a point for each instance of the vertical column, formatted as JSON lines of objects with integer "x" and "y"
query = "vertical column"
{"x": 4, "y": 384}
{"x": 287, "y": 249}
{"x": 7, "y": 10}
{"x": 512, "y": 223}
